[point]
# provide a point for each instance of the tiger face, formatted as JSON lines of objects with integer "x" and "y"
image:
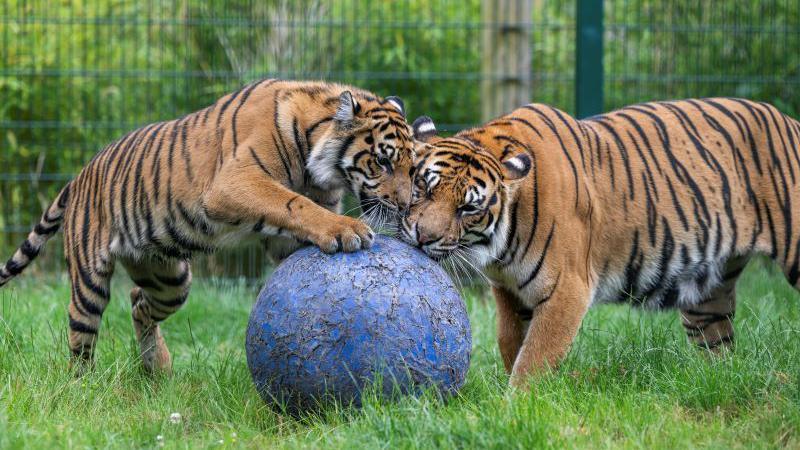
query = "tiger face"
{"x": 459, "y": 200}
{"x": 370, "y": 150}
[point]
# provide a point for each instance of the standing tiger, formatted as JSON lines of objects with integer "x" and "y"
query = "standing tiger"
{"x": 660, "y": 203}
{"x": 270, "y": 160}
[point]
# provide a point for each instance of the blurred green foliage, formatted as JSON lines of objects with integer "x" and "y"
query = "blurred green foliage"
{"x": 74, "y": 75}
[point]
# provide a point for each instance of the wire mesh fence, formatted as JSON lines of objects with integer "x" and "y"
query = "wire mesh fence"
{"x": 74, "y": 75}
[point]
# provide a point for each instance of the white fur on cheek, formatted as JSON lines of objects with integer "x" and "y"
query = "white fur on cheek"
{"x": 322, "y": 164}
{"x": 498, "y": 238}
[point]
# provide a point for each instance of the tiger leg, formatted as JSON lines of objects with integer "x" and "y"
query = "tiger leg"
{"x": 709, "y": 324}
{"x": 555, "y": 323}
{"x": 511, "y": 326}
{"x": 240, "y": 191}
{"x": 161, "y": 289}
{"x": 90, "y": 277}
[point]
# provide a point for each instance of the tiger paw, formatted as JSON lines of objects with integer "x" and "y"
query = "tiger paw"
{"x": 343, "y": 234}
{"x": 155, "y": 355}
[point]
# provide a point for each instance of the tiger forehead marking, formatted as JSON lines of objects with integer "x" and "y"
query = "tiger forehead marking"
{"x": 468, "y": 174}
{"x": 660, "y": 204}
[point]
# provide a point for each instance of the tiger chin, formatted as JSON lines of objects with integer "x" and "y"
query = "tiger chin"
{"x": 659, "y": 204}
{"x": 270, "y": 161}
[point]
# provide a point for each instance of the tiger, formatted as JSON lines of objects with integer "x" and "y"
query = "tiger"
{"x": 657, "y": 204}
{"x": 269, "y": 161}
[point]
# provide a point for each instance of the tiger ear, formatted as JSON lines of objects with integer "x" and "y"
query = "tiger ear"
{"x": 346, "y": 111}
{"x": 516, "y": 167}
{"x": 397, "y": 103}
{"x": 424, "y": 129}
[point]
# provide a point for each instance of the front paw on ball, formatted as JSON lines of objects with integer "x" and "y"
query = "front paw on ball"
{"x": 347, "y": 235}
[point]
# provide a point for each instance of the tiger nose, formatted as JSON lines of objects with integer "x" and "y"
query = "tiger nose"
{"x": 403, "y": 196}
{"x": 425, "y": 237}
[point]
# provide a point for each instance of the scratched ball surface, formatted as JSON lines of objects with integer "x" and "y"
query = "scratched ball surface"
{"x": 326, "y": 326}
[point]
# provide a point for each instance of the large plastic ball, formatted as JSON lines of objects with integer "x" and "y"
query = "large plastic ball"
{"x": 327, "y": 326}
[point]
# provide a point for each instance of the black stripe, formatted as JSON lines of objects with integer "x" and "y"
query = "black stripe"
{"x": 182, "y": 241}
{"x": 45, "y": 231}
{"x": 786, "y": 156}
{"x": 648, "y": 175}
{"x": 511, "y": 235}
{"x": 633, "y": 266}
{"x": 667, "y": 250}
{"x": 86, "y": 304}
{"x": 187, "y": 156}
{"x": 623, "y": 151}
{"x": 299, "y": 143}
{"x": 340, "y": 154}
{"x": 81, "y": 327}
{"x": 283, "y": 159}
{"x": 246, "y": 94}
{"x": 260, "y": 163}
{"x": 227, "y": 104}
{"x": 146, "y": 283}
{"x": 716, "y": 167}
{"x": 754, "y": 153}
{"x": 564, "y": 150}
{"x": 174, "y": 303}
{"x": 176, "y": 281}
{"x": 782, "y": 196}
{"x": 572, "y": 132}
{"x": 538, "y": 264}
{"x": 527, "y": 124}
{"x": 549, "y": 295}
{"x": 719, "y": 107}
{"x": 100, "y": 291}
{"x": 195, "y": 222}
{"x": 64, "y": 197}
{"x": 310, "y": 130}
{"x": 773, "y": 237}
{"x": 13, "y": 267}
{"x": 677, "y": 167}
{"x": 28, "y": 249}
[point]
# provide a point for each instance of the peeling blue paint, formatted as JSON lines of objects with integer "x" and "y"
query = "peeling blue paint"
{"x": 324, "y": 326}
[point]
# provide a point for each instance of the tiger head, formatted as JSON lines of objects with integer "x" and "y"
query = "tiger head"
{"x": 369, "y": 149}
{"x": 460, "y": 197}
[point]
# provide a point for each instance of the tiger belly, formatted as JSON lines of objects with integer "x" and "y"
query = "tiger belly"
{"x": 181, "y": 241}
{"x": 685, "y": 283}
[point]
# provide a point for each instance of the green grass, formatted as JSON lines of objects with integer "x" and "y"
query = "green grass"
{"x": 631, "y": 381}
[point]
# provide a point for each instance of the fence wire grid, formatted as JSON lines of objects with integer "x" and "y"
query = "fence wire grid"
{"x": 75, "y": 75}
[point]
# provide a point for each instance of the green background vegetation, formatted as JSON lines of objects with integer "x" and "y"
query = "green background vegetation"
{"x": 74, "y": 75}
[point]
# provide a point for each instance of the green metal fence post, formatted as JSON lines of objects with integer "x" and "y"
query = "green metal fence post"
{"x": 589, "y": 58}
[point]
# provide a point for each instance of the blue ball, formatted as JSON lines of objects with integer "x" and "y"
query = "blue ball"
{"x": 326, "y": 326}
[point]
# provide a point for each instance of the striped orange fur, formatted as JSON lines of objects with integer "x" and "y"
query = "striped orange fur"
{"x": 660, "y": 204}
{"x": 269, "y": 161}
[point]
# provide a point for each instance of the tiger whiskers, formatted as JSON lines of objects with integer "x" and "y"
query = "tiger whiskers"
{"x": 450, "y": 266}
{"x": 380, "y": 217}
{"x": 462, "y": 253}
{"x": 476, "y": 254}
